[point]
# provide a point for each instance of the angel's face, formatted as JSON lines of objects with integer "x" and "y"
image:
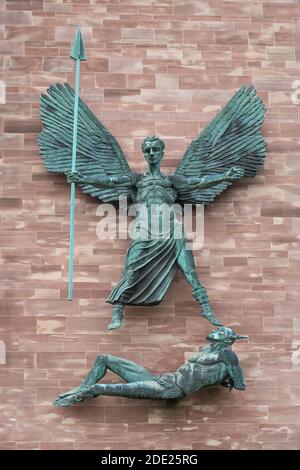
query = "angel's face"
{"x": 153, "y": 152}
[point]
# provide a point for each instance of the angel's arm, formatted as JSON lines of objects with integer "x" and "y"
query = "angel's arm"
{"x": 203, "y": 182}
{"x": 102, "y": 180}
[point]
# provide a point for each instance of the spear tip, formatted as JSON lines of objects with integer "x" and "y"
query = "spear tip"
{"x": 78, "y": 51}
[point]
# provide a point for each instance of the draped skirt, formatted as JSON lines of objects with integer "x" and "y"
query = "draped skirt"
{"x": 149, "y": 270}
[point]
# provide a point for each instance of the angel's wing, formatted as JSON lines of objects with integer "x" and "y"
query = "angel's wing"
{"x": 98, "y": 152}
{"x": 233, "y": 138}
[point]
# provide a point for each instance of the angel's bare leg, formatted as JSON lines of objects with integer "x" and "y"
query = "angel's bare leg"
{"x": 140, "y": 389}
{"x": 127, "y": 370}
{"x": 117, "y": 317}
{"x": 187, "y": 264}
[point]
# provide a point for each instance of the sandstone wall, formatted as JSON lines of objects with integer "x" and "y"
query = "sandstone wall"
{"x": 165, "y": 67}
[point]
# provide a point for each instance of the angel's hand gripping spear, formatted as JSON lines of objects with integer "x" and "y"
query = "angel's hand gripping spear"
{"x": 230, "y": 147}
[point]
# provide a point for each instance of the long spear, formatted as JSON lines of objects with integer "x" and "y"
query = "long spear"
{"x": 78, "y": 54}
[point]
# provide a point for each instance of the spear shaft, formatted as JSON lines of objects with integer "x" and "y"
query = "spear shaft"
{"x": 78, "y": 54}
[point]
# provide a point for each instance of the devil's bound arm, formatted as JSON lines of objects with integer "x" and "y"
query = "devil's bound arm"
{"x": 202, "y": 182}
{"x": 101, "y": 180}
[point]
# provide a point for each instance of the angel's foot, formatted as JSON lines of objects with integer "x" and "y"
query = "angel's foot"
{"x": 209, "y": 315}
{"x": 117, "y": 317}
{"x": 114, "y": 324}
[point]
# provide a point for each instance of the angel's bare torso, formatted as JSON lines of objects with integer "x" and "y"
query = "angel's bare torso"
{"x": 157, "y": 190}
{"x": 156, "y": 213}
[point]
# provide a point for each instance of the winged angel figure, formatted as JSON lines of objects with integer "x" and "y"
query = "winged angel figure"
{"x": 229, "y": 148}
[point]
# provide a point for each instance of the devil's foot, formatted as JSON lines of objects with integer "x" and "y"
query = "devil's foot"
{"x": 66, "y": 401}
{"x": 209, "y": 315}
{"x": 72, "y": 392}
{"x": 74, "y": 398}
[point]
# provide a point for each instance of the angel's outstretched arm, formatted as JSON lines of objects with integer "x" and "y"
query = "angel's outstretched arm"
{"x": 102, "y": 180}
{"x": 203, "y": 182}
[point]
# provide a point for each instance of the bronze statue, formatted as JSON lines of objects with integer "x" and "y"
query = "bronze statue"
{"x": 214, "y": 364}
{"x": 230, "y": 147}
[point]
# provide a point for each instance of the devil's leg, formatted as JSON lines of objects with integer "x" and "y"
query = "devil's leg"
{"x": 143, "y": 389}
{"x": 127, "y": 370}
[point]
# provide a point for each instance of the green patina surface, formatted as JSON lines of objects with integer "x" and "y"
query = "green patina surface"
{"x": 229, "y": 148}
{"x": 78, "y": 54}
{"x": 215, "y": 364}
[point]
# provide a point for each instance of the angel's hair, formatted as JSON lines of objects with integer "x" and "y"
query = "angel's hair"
{"x": 154, "y": 138}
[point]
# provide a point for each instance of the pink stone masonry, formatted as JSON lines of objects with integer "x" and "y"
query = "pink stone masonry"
{"x": 166, "y": 67}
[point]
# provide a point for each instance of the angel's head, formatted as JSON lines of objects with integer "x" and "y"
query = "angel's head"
{"x": 153, "y": 149}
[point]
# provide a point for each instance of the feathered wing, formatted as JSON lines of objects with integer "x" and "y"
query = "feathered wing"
{"x": 233, "y": 138}
{"x": 98, "y": 152}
